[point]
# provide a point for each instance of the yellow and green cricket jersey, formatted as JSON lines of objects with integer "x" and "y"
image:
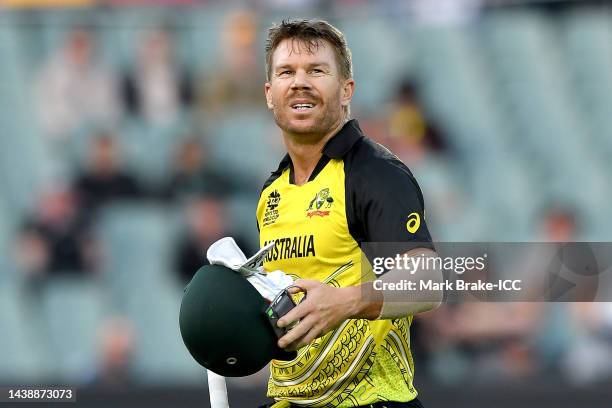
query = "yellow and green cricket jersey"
{"x": 359, "y": 192}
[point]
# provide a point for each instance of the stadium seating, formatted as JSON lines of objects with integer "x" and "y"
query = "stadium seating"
{"x": 524, "y": 99}
{"x": 236, "y": 132}
{"x": 136, "y": 241}
{"x": 376, "y": 69}
{"x": 23, "y": 350}
{"x": 587, "y": 38}
{"x": 160, "y": 355}
{"x": 73, "y": 311}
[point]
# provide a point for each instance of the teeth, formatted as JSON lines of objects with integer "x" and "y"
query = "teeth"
{"x": 303, "y": 106}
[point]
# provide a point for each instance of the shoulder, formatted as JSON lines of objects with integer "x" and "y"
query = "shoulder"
{"x": 373, "y": 166}
{"x": 275, "y": 175}
{"x": 381, "y": 196}
{"x": 269, "y": 182}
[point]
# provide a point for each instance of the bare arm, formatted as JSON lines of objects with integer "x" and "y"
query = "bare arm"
{"x": 326, "y": 307}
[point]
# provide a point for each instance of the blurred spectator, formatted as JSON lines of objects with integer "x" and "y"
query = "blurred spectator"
{"x": 501, "y": 341}
{"x": 232, "y": 82}
{"x": 75, "y": 89}
{"x": 589, "y": 355}
{"x": 157, "y": 89}
{"x": 577, "y": 339}
{"x": 104, "y": 179}
{"x": 403, "y": 127}
{"x": 206, "y": 223}
{"x": 192, "y": 174}
{"x": 490, "y": 341}
{"x": 115, "y": 354}
{"x": 559, "y": 224}
{"x": 408, "y": 132}
{"x": 54, "y": 239}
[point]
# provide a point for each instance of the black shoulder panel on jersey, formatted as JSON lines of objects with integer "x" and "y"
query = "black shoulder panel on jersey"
{"x": 383, "y": 200}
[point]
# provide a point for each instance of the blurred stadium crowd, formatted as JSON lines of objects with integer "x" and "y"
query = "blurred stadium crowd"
{"x": 134, "y": 137}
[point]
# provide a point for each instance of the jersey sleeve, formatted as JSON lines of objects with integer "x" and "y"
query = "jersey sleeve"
{"x": 385, "y": 204}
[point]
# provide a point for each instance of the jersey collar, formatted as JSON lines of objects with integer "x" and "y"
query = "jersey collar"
{"x": 336, "y": 147}
{"x": 344, "y": 140}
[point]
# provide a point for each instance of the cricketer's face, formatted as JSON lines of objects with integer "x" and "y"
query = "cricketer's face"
{"x": 306, "y": 91}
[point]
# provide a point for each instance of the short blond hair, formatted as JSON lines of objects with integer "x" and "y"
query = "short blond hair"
{"x": 310, "y": 33}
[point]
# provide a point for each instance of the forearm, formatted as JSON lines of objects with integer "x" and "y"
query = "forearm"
{"x": 376, "y": 300}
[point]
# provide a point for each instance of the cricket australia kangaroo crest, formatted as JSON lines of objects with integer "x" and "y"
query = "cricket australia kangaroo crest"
{"x": 320, "y": 203}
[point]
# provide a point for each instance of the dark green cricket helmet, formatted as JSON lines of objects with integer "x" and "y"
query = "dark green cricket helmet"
{"x": 224, "y": 326}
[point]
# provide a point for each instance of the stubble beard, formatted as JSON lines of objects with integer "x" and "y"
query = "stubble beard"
{"x": 320, "y": 125}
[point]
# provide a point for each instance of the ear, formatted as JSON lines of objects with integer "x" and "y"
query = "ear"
{"x": 268, "y": 91}
{"x": 347, "y": 91}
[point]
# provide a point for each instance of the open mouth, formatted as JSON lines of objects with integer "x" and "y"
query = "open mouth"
{"x": 302, "y": 107}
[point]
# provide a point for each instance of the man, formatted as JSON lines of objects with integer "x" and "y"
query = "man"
{"x": 334, "y": 191}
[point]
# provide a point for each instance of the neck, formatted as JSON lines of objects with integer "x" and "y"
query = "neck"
{"x": 306, "y": 151}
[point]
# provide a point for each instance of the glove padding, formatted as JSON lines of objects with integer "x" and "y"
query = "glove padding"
{"x": 227, "y": 253}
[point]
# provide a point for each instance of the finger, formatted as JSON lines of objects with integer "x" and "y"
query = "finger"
{"x": 295, "y": 289}
{"x": 294, "y": 314}
{"x": 296, "y": 333}
{"x": 306, "y": 284}
{"x": 305, "y": 340}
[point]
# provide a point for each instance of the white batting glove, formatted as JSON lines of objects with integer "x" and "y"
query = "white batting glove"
{"x": 227, "y": 253}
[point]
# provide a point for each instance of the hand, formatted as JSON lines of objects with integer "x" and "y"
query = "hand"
{"x": 324, "y": 308}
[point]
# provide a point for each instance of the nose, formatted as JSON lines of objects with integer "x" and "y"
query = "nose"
{"x": 300, "y": 80}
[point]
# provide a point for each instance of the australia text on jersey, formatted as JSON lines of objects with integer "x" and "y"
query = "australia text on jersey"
{"x": 291, "y": 247}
